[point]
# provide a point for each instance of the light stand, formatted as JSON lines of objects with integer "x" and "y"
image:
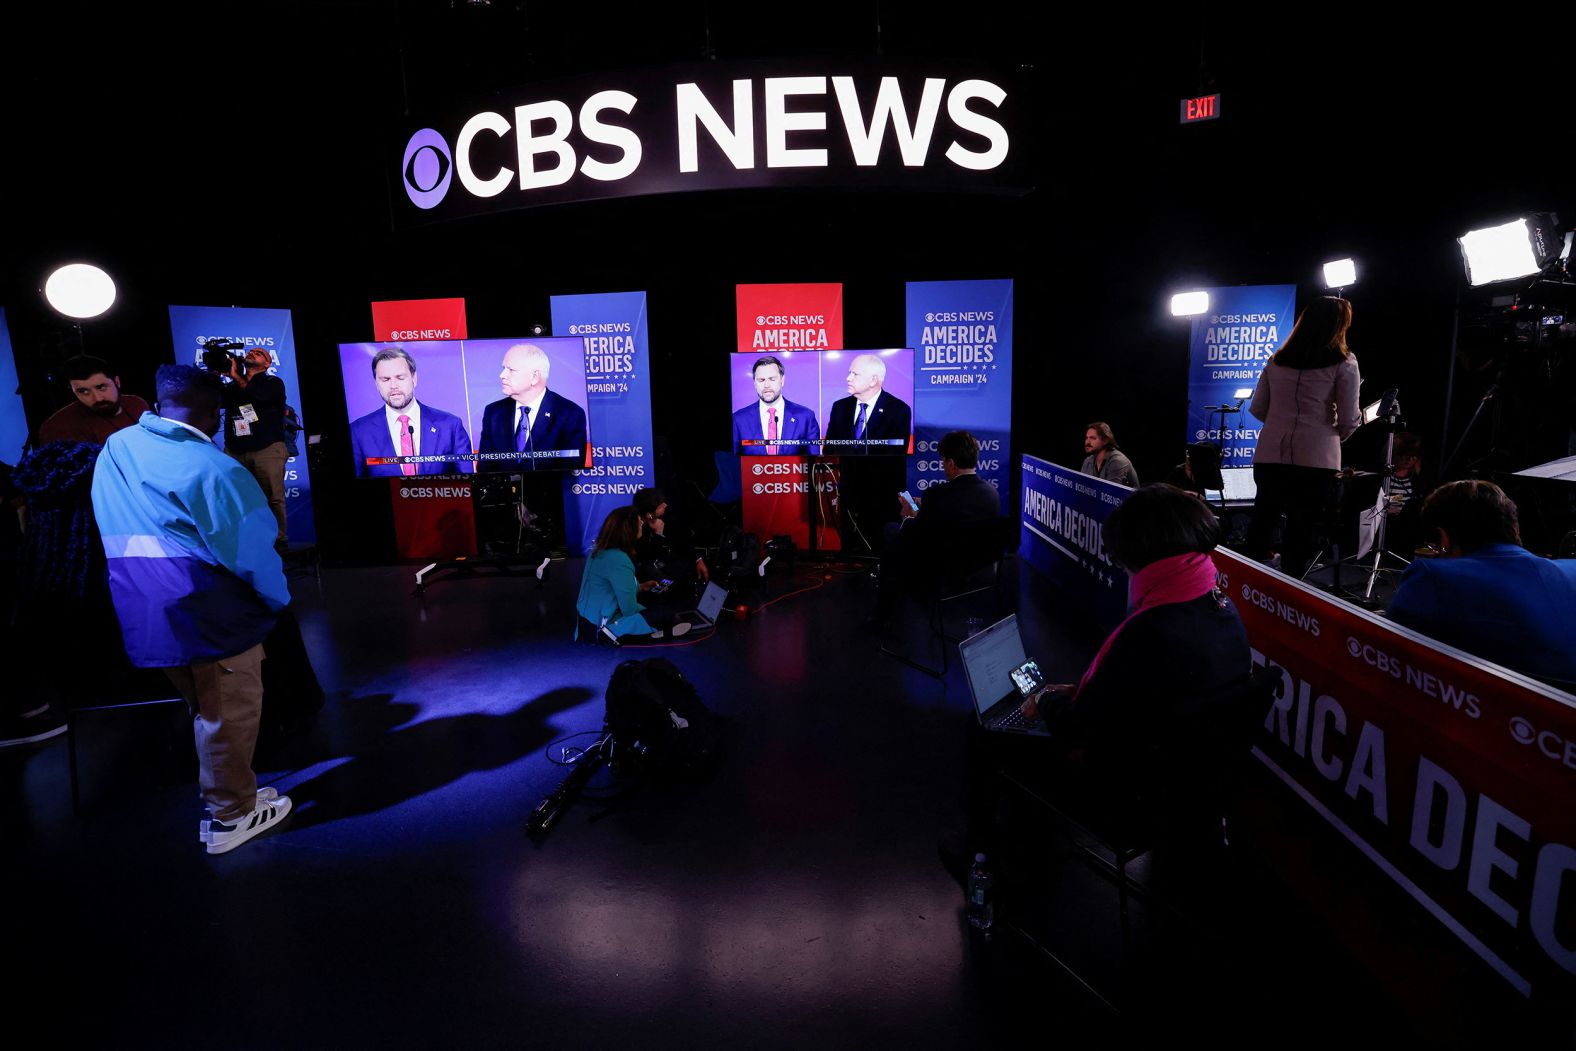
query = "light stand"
{"x": 1477, "y": 414}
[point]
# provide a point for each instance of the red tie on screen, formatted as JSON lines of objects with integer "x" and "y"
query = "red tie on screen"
{"x": 771, "y": 431}
{"x": 406, "y": 446}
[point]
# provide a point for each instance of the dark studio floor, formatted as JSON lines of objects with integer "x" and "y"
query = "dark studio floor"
{"x": 797, "y": 899}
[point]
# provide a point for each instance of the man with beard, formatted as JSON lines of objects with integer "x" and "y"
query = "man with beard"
{"x": 771, "y": 418}
{"x": 100, "y": 409}
{"x": 254, "y": 427}
{"x": 406, "y": 427}
{"x": 1103, "y": 460}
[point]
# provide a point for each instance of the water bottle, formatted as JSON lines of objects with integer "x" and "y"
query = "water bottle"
{"x": 981, "y": 906}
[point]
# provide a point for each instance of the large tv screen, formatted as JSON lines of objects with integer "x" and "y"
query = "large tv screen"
{"x": 823, "y": 403}
{"x": 457, "y": 406}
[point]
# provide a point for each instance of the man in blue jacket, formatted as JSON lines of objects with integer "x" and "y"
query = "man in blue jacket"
{"x": 1490, "y": 596}
{"x": 197, "y": 585}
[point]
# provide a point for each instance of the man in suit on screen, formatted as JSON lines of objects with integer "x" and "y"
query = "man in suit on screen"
{"x": 405, "y": 427}
{"x": 869, "y": 413}
{"x": 531, "y": 419}
{"x": 787, "y": 428}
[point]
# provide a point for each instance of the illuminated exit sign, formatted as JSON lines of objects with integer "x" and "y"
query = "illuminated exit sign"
{"x": 1206, "y": 108}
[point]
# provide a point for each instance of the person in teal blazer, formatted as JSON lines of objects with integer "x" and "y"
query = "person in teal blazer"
{"x": 609, "y": 593}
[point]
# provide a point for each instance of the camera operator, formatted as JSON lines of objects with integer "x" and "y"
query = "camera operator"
{"x": 254, "y": 424}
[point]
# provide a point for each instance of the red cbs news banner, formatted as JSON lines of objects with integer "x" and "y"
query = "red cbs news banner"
{"x": 773, "y": 319}
{"x": 433, "y": 514}
{"x": 410, "y": 320}
{"x": 777, "y": 499}
{"x": 1453, "y": 775}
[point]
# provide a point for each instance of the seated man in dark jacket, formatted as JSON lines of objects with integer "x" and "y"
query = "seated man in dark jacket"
{"x": 926, "y": 534}
{"x": 1489, "y": 595}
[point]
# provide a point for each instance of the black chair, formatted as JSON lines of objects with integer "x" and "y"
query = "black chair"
{"x": 961, "y": 560}
{"x": 1185, "y": 778}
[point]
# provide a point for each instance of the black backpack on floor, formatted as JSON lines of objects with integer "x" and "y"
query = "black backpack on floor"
{"x": 661, "y": 729}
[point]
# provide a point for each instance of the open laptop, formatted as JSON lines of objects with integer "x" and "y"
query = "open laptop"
{"x": 1000, "y": 676}
{"x": 707, "y": 610}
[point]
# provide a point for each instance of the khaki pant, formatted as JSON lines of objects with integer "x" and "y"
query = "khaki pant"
{"x": 268, "y": 467}
{"x": 226, "y": 701}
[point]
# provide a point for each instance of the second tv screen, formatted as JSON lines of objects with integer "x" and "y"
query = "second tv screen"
{"x": 823, "y": 403}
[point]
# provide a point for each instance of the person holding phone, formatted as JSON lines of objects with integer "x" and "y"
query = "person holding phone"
{"x": 665, "y": 551}
{"x": 609, "y": 598}
{"x": 914, "y": 542}
{"x": 1181, "y": 645}
{"x": 1182, "y": 638}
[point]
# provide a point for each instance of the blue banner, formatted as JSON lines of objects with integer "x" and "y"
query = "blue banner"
{"x": 1230, "y": 346}
{"x": 269, "y": 329}
{"x": 618, "y": 400}
{"x": 1062, "y": 515}
{"x": 13, "y": 419}
{"x": 961, "y": 333}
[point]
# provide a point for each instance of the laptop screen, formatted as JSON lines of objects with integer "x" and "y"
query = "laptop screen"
{"x": 711, "y": 602}
{"x": 989, "y": 659}
{"x": 1239, "y": 485}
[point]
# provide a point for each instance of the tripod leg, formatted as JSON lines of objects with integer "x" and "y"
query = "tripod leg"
{"x": 1373, "y": 574}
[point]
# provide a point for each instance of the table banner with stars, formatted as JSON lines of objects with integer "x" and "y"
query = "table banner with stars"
{"x": 961, "y": 332}
{"x": 1062, "y": 515}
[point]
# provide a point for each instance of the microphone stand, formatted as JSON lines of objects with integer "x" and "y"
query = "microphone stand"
{"x": 1220, "y": 441}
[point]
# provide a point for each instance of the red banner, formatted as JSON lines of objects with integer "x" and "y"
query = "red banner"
{"x": 1451, "y": 774}
{"x": 408, "y": 320}
{"x": 774, "y": 318}
{"x": 777, "y": 499}
{"x": 430, "y": 519}
{"x": 433, "y": 516}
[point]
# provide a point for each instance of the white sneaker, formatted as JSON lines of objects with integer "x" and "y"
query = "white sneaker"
{"x": 222, "y": 836}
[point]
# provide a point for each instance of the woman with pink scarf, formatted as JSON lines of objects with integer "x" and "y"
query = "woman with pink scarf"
{"x": 1181, "y": 642}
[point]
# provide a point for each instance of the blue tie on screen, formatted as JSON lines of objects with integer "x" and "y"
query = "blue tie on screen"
{"x": 522, "y": 433}
{"x": 859, "y": 424}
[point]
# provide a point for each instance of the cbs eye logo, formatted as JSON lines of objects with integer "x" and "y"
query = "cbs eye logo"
{"x": 427, "y": 169}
